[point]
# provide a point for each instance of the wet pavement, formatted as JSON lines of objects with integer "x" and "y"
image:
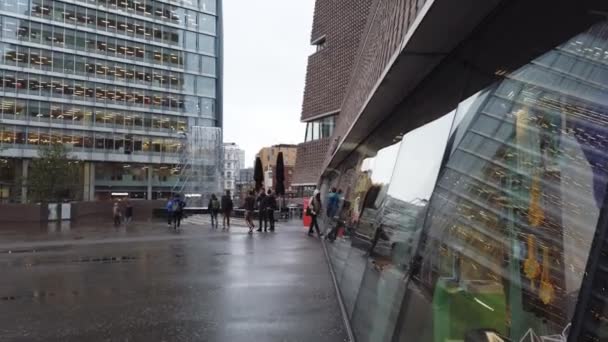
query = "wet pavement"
{"x": 147, "y": 283}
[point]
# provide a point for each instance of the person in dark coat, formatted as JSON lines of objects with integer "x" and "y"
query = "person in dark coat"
{"x": 128, "y": 211}
{"x": 261, "y": 202}
{"x": 214, "y": 209}
{"x": 249, "y": 209}
{"x": 315, "y": 209}
{"x": 227, "y": 206}
{"x": 270, "y": 205}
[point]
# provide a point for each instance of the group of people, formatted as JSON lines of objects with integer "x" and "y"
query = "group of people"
{"x": 226, "y": 206}
{"x": 315, "y": 208}
{"x": 175, "y": 211}
{"x": 266, "y": 204}
{"x": 122, "y": 211}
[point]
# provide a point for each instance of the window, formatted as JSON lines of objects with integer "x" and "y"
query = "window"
{"x": 206, "y": 86}
{"x": 320, "y": 129}
{"x": 192, "y": 62}
{"x": 320, "y": 44}
{"x": 208, "y": 5}
{"x": 208, "y": 66}
{"x": 206, "y": 44}
{"x": 206, "y": 23}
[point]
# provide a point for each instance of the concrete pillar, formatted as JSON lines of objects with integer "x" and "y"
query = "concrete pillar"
{"x": 24, "y": 172}
{"x": 149, "y": 173}
{"x": 92, "y": 181}
{"x": 88, "y": 191}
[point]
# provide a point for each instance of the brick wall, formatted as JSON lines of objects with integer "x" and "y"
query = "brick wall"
{"x": 388, "y": 24}
{"x": 310, "y": 158}
{"x": 20, "y": 213}
{"x": 342, "y": 22}
{"x": 102, "y": 210}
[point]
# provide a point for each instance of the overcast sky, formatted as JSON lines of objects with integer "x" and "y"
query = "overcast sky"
{"x": 266, "y": 46}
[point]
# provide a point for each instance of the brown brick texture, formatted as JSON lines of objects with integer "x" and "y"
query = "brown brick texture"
{"x": 388, "y": 24}
{"x": 310, "y": 158}
{"x": 342, "y": 22}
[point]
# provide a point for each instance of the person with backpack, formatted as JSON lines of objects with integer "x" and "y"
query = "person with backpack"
{"x": 177, "y": 211}
{"x": 214, "y": 209}
{"x": 270, "y": 203}
{"x": 249, "y": 209}
{"x": 261, "y": 202}
{"x": 227, "y": 206}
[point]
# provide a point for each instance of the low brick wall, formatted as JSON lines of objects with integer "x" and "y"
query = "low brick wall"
{"x": 102, "y": 210}
{"x": 18, "y": 213}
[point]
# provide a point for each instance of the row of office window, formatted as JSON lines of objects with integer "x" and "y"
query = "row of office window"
{"x": 129, "y": 75}
{"x": 65, "y": 113}
{"x": 115, "y": 23}
{"x": 168, "y": 10}
{"x": 57, "y": 87}
{"x": 81, "y": 141}
{"x": 66, "y": 38}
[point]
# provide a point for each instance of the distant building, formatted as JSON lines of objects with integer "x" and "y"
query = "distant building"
{"x": 234, "y": 161}
{"x": 268, "y": 156}
{"x": 244, "y": 183}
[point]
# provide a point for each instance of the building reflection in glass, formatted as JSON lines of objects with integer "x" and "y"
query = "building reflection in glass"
{"x": 485, "y": 229}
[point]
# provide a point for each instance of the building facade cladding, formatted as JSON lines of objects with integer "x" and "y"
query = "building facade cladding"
{"x": 337, "y": 29}
{"x": 114, "y": 81}
{"x": 308, "y": 163}
{"x": 389, "y": 22}
{"x": 487, "y": 222}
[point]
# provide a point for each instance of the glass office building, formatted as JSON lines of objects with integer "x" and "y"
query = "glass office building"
{"x": 489, "y": 223}
{"x": 119, "y": 82}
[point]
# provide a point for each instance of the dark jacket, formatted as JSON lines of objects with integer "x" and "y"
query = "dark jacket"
{"x": 261, "y": 201}
{"x": 315, "y": 206}
{"x": 250, "y": 203}
{"x": 210, "y": 205}
{"x": 227, "y": 204}
{"x": 269, "y": 202}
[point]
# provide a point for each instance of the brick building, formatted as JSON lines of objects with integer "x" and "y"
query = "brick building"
{"x": 337, "y": 31}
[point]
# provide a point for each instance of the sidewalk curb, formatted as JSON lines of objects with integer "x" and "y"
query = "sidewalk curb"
{"x": 345, "y": 320}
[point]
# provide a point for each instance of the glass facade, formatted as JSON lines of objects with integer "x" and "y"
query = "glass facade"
{"x": 480, "y": 226}
{"x": 121, "y": 77}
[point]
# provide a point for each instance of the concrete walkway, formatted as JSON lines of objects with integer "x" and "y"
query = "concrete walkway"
{"x": 146, "y": 283}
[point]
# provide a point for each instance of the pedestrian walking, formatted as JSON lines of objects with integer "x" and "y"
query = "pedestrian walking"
{"x": 333, "y": 201}
{"x": 128, "y": 211}
{"x": 314, "y": 209}
{"x": 261, "y": 202}
{"x": 271, "y": 206}
{"x": 116, "y": 214}
{"x": 214, "y": 209}
{"x": 227, "y": 206}
{"x": 175, "y": 208}
{"x": 169, "y": 208}
{"x": 249, "y": 208}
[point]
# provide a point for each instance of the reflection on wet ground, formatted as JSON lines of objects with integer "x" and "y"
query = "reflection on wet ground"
{"x": 144, "y": 282}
